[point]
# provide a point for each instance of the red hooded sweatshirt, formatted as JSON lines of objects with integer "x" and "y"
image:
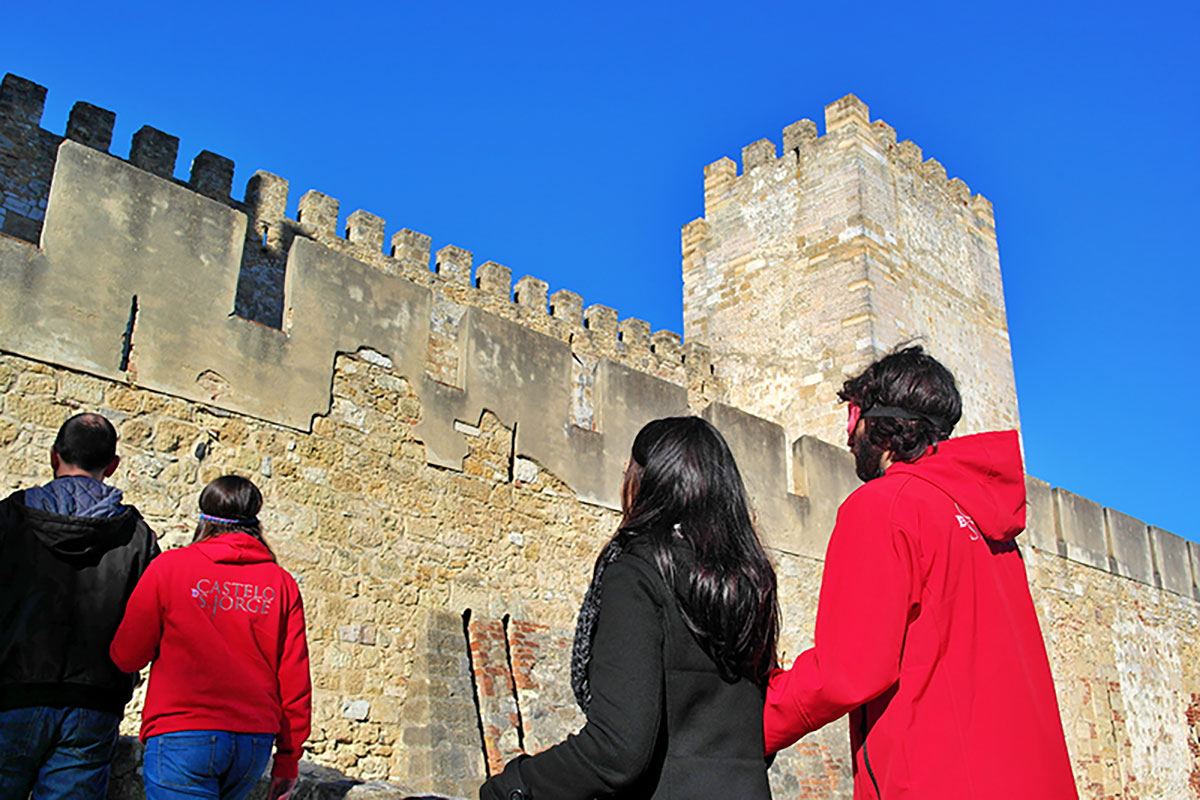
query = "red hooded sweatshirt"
{"x": 224, "y": 625}
{"x": 927, "y": 636}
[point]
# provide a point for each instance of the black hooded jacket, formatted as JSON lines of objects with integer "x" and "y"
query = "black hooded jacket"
{"x": 64, "y": 581}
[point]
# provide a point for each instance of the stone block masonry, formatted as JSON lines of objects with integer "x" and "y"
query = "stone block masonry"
{"x": 26, "y": 158}
{"x": 812, "y": 263}
{"x": 440, "y": 461}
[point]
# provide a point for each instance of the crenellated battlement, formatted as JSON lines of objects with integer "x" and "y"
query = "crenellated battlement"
{"x": 812, "y": 261}
{"x": 594, "y": 332}
{"x": 846, "y": 118}
{"x": 22, "y": 105}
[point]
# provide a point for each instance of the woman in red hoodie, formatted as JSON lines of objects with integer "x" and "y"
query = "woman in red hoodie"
{"x": 224, "y": 625}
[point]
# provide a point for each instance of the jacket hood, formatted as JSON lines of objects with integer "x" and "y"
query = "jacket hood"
{"x": 76, "y": 496}
{"x": 234, "y": 547}
{"x": 983, "y": 474}
{"x": 73, "y": 537}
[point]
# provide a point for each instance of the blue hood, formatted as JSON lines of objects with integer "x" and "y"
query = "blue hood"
{"x": 76, "y": 496}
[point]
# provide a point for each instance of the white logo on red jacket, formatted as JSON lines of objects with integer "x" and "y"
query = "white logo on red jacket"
{"x": 965, "y": 521}
{"x": 213, "y": 596}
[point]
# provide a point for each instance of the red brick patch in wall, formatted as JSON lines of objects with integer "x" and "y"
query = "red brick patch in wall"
{"x": 523, "y": 640}
{"x": 541, "y": 663}
{"x": 499, "y": 717}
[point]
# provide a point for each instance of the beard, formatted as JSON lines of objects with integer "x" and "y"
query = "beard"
{"x": 867, "y": 459}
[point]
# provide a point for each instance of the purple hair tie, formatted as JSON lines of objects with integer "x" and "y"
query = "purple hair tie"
{"x": 223, "y": 521}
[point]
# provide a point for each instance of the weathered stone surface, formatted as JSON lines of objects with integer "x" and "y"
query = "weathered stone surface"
{"x": 809, "y": 267}
{"x": 1081, "y": 529}
{"x": 1129, "y": 544}
{"x": 1194, "y": 557}
{"x": 454, "y": 264}
{"x": 759, "y": 447}
{"x": 494, "y": 279}
{"x": 626, "y": 399}
{"x": 1041, "y": 525}
{"x": 567, "y": 306}
{"x": 1172, "y": 564}
{"x": 1118, "y": 651}
{"x": 342, "y": 303}
{"x": 91, "y": 125}
{"x": 212, "y": 175}
{"x": 824, "y": 476}
{"x": 356, "y": 709}
{"x": 530, "y": 293}
{"x": 154, "y": 151}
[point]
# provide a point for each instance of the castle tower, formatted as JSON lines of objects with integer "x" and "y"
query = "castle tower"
{"x": 808, "y": 266}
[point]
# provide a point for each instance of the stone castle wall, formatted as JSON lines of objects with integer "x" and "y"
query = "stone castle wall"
{"x": 811, "y": 264}
{"x": 441, "y": 500}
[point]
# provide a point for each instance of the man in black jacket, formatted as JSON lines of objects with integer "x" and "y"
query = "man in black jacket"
{"x": 70, "y": 554}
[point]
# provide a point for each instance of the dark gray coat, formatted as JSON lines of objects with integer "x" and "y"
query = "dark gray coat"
{"x": 662, "y": 722}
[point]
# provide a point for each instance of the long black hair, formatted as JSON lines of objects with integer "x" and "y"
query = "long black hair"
{"x": 683, "y": 482}
{"x": 230, "y": 503}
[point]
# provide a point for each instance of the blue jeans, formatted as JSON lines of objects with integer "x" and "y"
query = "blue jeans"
{"x": 56, "y": 752}
{"x": 215, "y": 764}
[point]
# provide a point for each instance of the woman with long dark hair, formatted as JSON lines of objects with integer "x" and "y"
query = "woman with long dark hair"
{"x": 224, "y": 626}
{"x": 674, "y": 641}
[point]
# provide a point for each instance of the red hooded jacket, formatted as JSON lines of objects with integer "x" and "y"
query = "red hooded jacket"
{"x": 224, "y": 625}
{"x": 926, "y": 634}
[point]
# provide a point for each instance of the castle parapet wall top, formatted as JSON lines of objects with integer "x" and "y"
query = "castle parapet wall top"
{"x": 848, "y": 117}
{"x": 28, "y": 154}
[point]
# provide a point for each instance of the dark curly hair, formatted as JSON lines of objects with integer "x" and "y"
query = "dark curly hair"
{"x": 906, "y": 380}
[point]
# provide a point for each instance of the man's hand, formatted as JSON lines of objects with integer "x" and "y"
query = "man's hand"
{"x": 281, "y": 788}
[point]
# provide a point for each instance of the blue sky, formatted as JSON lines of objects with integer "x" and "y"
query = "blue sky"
{"x": 568, "y": 141}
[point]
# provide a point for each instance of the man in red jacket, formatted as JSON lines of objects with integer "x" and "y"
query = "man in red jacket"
{"x": 926, "y": 633}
